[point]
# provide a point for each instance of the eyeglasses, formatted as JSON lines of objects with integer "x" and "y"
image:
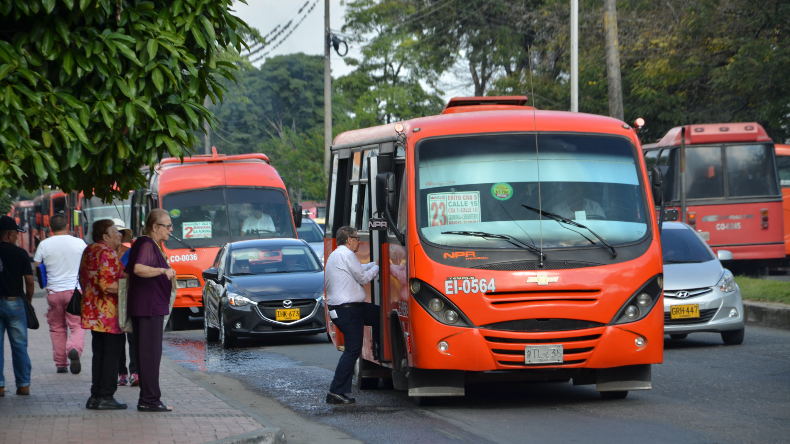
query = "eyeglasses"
{"x": 354, "y": 237}
{"x": 168, "y": 226}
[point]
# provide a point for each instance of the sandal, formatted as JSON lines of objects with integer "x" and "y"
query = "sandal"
{"x": 160, "y": 408}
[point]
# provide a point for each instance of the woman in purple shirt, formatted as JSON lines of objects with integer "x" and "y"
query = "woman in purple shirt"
{"x": 150, "y": 282}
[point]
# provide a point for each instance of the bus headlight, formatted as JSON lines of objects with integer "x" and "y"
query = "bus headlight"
{"x": 451, "y": 316}
{"x": 438, "y": 305}
{"x": 726, "y": 282}
{"x": 641, "y": 303}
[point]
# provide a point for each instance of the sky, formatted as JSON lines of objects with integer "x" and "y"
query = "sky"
{"x": 308, "y": 37}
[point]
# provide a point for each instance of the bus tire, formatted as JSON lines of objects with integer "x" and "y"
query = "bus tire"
{"x": 179, "y": 318}
{"x": 679, "y": 336}
{"x": 397, "y": 342}
{"x": 620, "y": 394}
{"x": 732, "y": 337}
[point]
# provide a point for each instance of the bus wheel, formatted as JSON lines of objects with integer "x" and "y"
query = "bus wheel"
{"x": 679, "y": 336}
{"x": 733, "y": 337}
{"x": 179, "y": 318}
{"x": 614, "y": 395}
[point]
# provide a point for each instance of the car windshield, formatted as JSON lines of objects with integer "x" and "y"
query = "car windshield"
{"x": 683, "y": 246}
{"x": 94, "y": 209}
{"x": 309, "y": 232}
{"x": 273, "y": 259}
{"x": 481, "y": 184}
{"x": 212, "y": 217}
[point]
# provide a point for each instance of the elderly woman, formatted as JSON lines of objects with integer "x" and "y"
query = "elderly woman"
{"x": 150, "y": 282}
{"x": 100, "y": 271}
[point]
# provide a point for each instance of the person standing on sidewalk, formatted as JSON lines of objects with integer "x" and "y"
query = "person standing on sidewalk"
{"x": 61, "y": 256}
{"x": 124, "y": 376}
{"x": 13, "y": 319}
{"x": 345, "y": 297}
{"x": 151, "y": 282}
{"x": 100, "y": 273}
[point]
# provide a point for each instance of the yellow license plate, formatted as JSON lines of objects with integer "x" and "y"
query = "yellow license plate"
{"x": 684, "y": 311}
{"x": 288, "y": 314}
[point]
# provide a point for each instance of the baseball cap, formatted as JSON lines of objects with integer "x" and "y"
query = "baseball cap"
{"x": 8, "y": 223}
{"x": 121, "y": 226}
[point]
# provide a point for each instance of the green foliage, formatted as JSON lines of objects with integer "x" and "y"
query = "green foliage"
{"x": 92, "y": 90}
{"x": 7, "y": 199}
{"x": 764, "y": 290}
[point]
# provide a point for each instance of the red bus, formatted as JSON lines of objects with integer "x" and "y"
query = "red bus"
{"x": 23, "y": 213}
{"x": 209, "y": 198}
{"x": 783, "y": 168}
{"x": 514, "y": 244}
{"x": 731, "y": 189}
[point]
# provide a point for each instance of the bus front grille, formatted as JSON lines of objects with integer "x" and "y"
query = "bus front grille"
{"x": 541, "y": 340}
{"x": 541, "y": 325}
{"x": 535, "y": 265}
{"x": 523, "y": 364}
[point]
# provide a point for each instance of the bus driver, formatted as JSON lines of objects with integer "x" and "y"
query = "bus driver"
{"x": 258, "y": 222}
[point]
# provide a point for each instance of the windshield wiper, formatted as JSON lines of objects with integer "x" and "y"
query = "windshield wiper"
{"x": 191, "y": 248}
{"x": 562, "y": 220}
{"x": 505, "y": 237}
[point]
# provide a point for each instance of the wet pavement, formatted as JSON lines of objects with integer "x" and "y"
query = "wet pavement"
{"x": 704, "y": 392}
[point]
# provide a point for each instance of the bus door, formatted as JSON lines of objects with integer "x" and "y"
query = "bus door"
{"x": 378, "y": 245}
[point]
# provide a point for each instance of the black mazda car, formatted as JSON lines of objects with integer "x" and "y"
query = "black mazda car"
{"x": 263, "y": 287}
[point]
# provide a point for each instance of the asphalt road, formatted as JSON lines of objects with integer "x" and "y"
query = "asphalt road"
{"x": 704, "y": 392}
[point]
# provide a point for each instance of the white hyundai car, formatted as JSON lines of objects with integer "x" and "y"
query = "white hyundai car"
{"x": 699, "y": 294}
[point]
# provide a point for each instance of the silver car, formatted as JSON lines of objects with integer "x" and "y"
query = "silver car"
{"x": 312, "y": 233}
{"x": 699, "y": 294}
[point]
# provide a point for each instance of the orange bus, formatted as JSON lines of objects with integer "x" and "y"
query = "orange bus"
{"x": 23, "y": 212}
{"x": 211, "y": 199}
{"x": 514, "y": 244}
{"x": 783, "y": 168}
{"x": 731, "y": 189}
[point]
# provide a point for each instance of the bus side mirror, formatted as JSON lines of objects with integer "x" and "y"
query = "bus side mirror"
{"x": 297, "y": 212}
{"x": 385, "y": 193}
{"x": 656, "y": 181}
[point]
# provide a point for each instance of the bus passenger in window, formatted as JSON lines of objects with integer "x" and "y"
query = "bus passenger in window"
{"x": 258, "y": 222}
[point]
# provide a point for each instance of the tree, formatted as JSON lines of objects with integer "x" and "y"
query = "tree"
{"x": 95, "y": 89}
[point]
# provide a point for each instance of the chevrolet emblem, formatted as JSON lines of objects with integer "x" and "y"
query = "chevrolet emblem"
{"x": 542, "y": 279}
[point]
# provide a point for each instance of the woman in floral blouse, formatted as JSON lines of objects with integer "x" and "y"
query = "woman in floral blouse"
{"x": 100, "y": 271}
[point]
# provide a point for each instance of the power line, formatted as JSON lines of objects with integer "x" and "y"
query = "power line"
{"x": 292, "y": 14}
{"x": 287, "y": 35}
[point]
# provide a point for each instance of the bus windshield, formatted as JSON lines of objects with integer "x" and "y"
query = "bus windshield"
{"x": 212, "y": 217}
{"x": 481, "y": 184}
{"x": 94, "y": 209}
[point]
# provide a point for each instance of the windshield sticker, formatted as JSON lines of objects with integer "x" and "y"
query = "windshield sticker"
{"x": 501, "y": 191}
{"x": 454, "y": 208}
{"x": 468, "y": 284}
{"x": 175, "y": 213}
{"x": 196, "y": 230}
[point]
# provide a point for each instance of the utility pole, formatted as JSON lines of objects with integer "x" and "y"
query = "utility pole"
{"x": 207, "y": 129}
{"x": 613, "y": 59}
{"x": 327, "y": 92}
{"x": 574, "y": 56}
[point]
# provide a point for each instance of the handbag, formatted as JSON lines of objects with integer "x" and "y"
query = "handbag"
{"x": 32, "y": 320}
{"x": 124, "y": 320}
{"x": 75, "y": 304}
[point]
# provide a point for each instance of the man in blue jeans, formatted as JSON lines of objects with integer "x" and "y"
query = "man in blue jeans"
{"x": 15, "y": 270}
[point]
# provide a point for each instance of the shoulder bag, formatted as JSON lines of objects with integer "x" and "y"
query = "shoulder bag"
{"x": 75, "y": 304}
{"x": 32, "y": 320}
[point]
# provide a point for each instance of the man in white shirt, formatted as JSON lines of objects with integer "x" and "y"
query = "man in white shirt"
{"x": 259, "y": 222}
{"x": 61, "y": 255}
{"x": 344, "y": 277}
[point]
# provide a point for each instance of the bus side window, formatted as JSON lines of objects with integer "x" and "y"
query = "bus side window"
{"x": 651, "y": 157}
{"x": 402, "y": 204}
{"x": 783, "y": 165}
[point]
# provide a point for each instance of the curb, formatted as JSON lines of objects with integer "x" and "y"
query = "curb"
{"x": 269, "y": 434}
{"x": 766, "y": 314}
{"x": 266, "y": 435}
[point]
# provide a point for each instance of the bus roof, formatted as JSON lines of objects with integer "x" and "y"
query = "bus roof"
{"x": 714, "y": 133}
{"x": 24, "y": 204}
{"x": 782, "y": 150}
{"x": 216, "y": 171}
{"x": 500, "y": 119}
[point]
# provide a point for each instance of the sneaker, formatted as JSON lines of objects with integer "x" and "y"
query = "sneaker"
{"x": 122, "y": 380}
{"x": 134, "y": 380}
{"x": 74, "y": 357}
{"x": 63, "y": 370}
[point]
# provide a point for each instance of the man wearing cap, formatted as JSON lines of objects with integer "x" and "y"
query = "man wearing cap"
{"x": 16, "y": 269}
{"x": 259, "y": 221}
{"x": 61, "y": 255}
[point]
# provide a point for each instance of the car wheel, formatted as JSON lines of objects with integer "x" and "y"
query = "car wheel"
{"x": 211, "y": 333}
{"x": 732, "y": 337}
{"x": 621, "y": 394}
{"x": 225, "y": 340}
{"x": 679, "y": 336}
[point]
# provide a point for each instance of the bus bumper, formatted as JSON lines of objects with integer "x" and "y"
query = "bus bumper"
{"x": 189, "y": 297}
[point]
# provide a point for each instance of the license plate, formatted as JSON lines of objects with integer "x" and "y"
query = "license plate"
{"x": 543, "y": 354}
{"x": 288, "y": 314}
{"x": 684, "y": 311}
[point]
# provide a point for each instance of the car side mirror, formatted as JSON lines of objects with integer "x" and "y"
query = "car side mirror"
{"x": 210, "y": 274}
{"x": 656, "y": 182}
{"x": 724, "y": 255}
{"x": 297, "y": 212}
{"x": 385, "y": 193}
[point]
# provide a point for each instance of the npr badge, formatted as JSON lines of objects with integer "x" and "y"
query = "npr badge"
{"x": 542, "y": 279}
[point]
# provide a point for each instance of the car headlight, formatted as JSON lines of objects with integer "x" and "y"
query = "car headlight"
{"x": 238, "y": 300}
{"x": 727, "y": 282}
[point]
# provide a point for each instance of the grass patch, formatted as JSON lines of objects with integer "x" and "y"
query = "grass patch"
{"x": 764, "y": 290}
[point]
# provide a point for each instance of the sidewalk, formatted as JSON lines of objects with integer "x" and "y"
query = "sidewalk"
{"x": 55, "y": 410}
